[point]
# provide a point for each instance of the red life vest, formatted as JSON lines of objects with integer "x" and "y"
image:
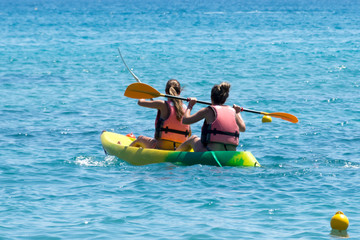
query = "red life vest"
{"x": 224, "y": 128}
{"x": 171, "y": 129}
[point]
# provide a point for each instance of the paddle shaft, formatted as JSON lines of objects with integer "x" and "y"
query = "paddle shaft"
{"x": 182, "y": 98}
{"x": 207, "y": 103}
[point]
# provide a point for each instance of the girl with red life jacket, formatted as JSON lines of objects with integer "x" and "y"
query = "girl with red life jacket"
{"x": 222, "y": 124}
{"x": 170, "y": 132}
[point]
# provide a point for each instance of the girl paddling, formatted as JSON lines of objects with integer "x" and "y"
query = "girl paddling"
{"x": 170, "y": 132}
{"x": 222, "y": 124}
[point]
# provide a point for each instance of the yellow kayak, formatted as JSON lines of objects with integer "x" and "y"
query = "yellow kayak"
{"x": 118, "y": 145}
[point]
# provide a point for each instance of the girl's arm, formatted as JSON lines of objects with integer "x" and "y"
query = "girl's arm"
{"x": 239, "y": 121}
{"x": 151, "y": 103}
{"x": 189, "y": 119}
{"x": 157, "y": 104}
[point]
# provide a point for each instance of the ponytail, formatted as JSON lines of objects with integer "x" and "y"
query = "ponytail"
{"x": 173, "y": 88}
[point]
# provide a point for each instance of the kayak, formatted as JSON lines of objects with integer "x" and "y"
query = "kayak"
{"x": 118, "y": 145}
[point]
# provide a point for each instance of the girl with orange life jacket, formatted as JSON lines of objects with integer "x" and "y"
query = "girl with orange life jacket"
{"x": 222, "y": 124}
{"x": 170, "y": 132}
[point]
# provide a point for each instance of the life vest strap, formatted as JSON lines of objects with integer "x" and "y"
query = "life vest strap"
{"x": 167, "y": 129}
{"x": 214, "y": 131}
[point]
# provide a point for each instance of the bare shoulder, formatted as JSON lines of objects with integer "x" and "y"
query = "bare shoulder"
{"x": 209, "y": 114}
{"x": 204, "y": 112}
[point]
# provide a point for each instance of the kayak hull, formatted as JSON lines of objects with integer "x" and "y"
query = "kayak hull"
{"x": 118, "y": 145}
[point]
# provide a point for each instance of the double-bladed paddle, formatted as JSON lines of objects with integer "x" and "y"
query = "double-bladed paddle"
{"x": 144, "y": 91}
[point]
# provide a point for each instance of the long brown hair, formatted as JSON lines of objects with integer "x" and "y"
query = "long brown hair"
{"x": 173, "y": 88}
{"x": 219, "y": 93}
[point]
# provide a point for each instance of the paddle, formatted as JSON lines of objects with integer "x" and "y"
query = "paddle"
{"x": 144, "y": 91}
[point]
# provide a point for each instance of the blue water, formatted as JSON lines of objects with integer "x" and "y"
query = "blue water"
{"x": 62, "y": 83}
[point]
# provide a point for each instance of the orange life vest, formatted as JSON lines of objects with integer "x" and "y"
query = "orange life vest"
{"x": 171, "y": 129}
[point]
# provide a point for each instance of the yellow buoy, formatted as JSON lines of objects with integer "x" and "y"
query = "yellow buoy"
{"x": 266, "y": 119}
{"x": 339, "y": 221}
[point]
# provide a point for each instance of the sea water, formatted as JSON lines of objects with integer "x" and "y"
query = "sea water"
{"x": 62, "y": 82}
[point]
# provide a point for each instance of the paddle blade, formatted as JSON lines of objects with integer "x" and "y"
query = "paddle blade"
{"x": 141, "y": 91}
{"x": 284, "y": 116}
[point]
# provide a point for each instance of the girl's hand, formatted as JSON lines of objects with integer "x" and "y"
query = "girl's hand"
{"x": 237, "y": 108}
{"x": 192, "y": 102}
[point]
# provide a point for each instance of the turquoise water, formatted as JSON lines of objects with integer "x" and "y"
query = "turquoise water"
{"x": 62, "y": 83}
